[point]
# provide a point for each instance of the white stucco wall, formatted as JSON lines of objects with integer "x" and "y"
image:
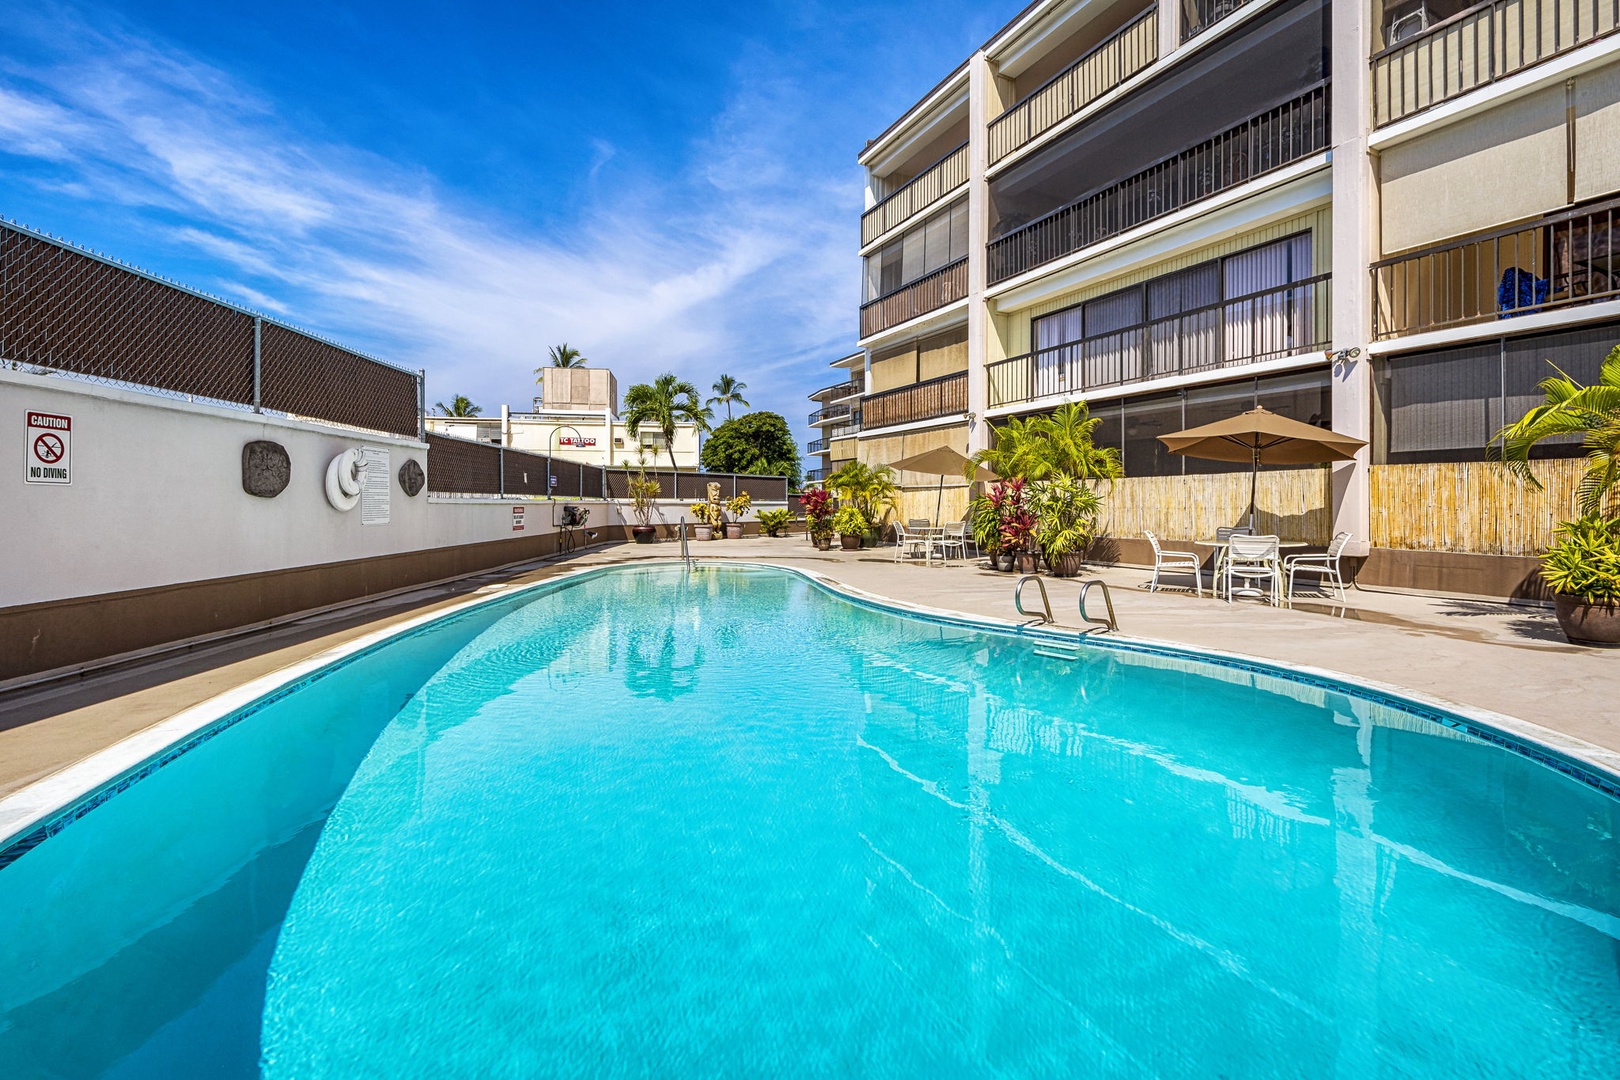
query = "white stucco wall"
{"x": 156, "y": 497}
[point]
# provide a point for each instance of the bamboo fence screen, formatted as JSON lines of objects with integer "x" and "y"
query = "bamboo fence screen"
{"x": 1472, "y": 506}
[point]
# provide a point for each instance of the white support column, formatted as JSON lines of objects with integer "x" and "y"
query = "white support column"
{"x": 981, "y": 94}
{"x": 1169, "y": 27}
{"x": 1355, "y": 232}
{"x": 506, "y": 425}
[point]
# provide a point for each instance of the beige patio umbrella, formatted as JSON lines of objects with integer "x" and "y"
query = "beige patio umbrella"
{"x": 1261, "y": 437}
{"x": 942, "y": 461}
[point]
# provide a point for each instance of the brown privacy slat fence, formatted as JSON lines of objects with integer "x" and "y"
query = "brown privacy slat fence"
{"x": 66, "y": 311}
{"x": 464, "y": 467}
{"x": 944, "y": 396}
{"x": 944, "y": 286}
{"x": 945, "y": 175}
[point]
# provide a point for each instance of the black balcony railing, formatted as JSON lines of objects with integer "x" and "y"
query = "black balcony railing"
{"x": 1200, "y": 15}
{"x": 929, "y": 400}
{"x": 844, "y": 431}
{"x": 1476, "y": 47}
{"x": 944, "y": 286}
{"x": 816, "y": 476}
{"x": 816, "y": 446}
{"x": 1259, "y": 145}
{"x": 1563, "y": 260}
{"x": 1265, "y": 325}
{"x": 831, "y": 412}
{"x": 906, "y": 202}
{"x": 1127, "y": 51}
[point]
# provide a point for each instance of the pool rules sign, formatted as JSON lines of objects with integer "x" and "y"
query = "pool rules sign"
{"x": 46, "y": 460}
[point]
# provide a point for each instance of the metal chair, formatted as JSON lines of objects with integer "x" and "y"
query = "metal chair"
{"x": 1223, "y": 534}
{"x": 1253, "y": 559}
{"x": 1325, "y": 566}
{"x": 953, "y": 539}
{"x": 1176, "y": 562}
{"x": 906, "y": 542}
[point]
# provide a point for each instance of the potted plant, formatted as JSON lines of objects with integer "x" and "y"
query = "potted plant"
{"x": 818, "y": 512}
{"x": 642, "y": 493}
{"x": 850, "y": 525}
{"x": 871, "y": 491}
{"x": 1066, "y": 509}
{"x": 704, "y": 529}
{"x": 774, "y": 521}
{"x": 738, "y": 509}
{"x": 1004, "y": 525}
{"x": 1582, "y": 567}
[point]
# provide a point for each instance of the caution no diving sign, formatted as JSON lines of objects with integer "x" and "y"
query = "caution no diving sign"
{"x": 46, "y": 460}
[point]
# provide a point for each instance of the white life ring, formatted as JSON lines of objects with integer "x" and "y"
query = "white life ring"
{"x": 343, "y": 480}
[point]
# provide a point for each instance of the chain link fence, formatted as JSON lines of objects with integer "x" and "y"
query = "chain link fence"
{"x": 66, "y": 311}
{"x": 463, "y": 467}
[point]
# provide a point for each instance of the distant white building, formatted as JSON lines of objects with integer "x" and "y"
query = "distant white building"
{"x": 575, "y": 418}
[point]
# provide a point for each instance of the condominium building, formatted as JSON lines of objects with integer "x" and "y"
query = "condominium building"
{"x": 837, "y": 417}
{"x": 1381, "y": 220}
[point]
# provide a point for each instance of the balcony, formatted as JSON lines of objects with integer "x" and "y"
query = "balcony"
{"x": 1261, "y": 144}
{"x": 816, "y": 476}
{"x": 816, "y": 446}
{"x": 928, "y": 187}
{"x": 1564, "y": 260}
{"x": 944, "y": 286}
{"x": 1266, "y": 325}
{"x": 829, "y": 414}
{"x": 945, "y": 396}
{"x": 1476, "y": 47}
{"x": 844, "y": 431}
{"x": 1200, "y": 15}
{"x": 1132, "y": 48}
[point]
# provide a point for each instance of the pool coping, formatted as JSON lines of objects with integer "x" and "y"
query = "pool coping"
{"x": 43, "y": 808}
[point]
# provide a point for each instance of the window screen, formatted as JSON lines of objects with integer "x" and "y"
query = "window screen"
{"x": 1145, "y": 420}
{"x": 1444, "y": 405}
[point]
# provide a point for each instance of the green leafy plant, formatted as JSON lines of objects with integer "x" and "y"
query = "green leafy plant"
{"x": 460, "y": 406}
{"x": 700, "y": 510}
{"x": 774, "y": 521}
{"x": 756, "y": 443}
{"x": 1066, "y": 510}
{"x": 849, "y": 521}
{"x": 1592, "y": 412}
{"x": 1584, "y": 560}
{"x": 871, "y": 491}
{"x": 1056, "y": 444}
{"x": 738, "y": 507}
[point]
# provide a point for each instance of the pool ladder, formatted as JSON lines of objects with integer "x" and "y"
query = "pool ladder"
{"x": 686, "y": 554}
{"x": 1109, "y": 623}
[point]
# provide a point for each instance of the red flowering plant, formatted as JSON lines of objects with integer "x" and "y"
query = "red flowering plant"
{"x": 1003, "y": 521}
{"x": 818, "y": 511}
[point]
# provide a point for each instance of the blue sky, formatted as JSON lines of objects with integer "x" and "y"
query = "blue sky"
{"x": 665, "y": 187}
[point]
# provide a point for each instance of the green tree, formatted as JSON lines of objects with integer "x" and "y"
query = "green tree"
{"x": 661, "y": 404}
{"x": 1058, "y": 444}
{"x": 460, "y": 405}
{"x": 759, "y": 443}
{"x": 1592, "y": 412}
{"x": 728, "y": 390}
{"x": 872, "y": 491}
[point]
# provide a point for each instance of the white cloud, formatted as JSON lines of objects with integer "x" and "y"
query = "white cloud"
{"x": 745, "y": 264}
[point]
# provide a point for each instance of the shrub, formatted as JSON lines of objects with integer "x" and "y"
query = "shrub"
{"x": 849, "y": 521}
{"x": 774, "y": 521}
{"x": 1585, "y": 559}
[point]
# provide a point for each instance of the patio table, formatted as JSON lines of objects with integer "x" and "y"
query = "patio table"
{"x": 1220, "y": 547}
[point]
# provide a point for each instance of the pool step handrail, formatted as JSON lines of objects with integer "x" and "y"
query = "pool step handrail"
{"x": 1109, "y": 623}
{"x": 1045, "y": 614}
{"x": 686, "y": 554}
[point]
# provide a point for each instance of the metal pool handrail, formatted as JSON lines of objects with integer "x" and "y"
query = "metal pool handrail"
{"x": 1046, "y": 602}
{"x": 686, "y": 556}
{"x": 1110, "y": 623}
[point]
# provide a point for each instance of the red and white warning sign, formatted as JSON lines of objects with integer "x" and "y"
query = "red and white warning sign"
{"x": 46, "y": 459}
{"x": 517, "y": 518}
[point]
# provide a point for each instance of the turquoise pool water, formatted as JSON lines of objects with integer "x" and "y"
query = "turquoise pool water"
{"x": 729, "y": 824}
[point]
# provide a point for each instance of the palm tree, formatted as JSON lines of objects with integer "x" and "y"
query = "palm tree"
{"x": 460, "y": 405}
{"x": 1058, "y": 444}
{"x": 872, "y": 491}
{"x": 728, "y": 390}
{"x": 563, "y": 355}
{"x": 1572, "y": 409}
{"x": 662, "y": 404}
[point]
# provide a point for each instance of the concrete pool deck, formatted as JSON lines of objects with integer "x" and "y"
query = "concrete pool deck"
{"x": 1502, "y": 657}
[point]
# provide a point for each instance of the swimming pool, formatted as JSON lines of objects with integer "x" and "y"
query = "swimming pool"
{"x": 645, "y": 822}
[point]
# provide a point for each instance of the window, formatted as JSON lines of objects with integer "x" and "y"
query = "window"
{"x": 932, "y": 245}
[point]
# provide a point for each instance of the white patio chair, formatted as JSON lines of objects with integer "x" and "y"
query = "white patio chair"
{"x": 1325, "y": 566}
{"x": 1222, "y": 535}
{"x": 907, "y": 542}
{"x": 1175, "y": 562}
{"x": 1253, "y": 559}
{"x": 955, "y": 539}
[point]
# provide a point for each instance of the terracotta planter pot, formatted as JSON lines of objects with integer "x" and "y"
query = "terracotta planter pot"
{"x": 703, "y": 532}
{"x": 1068, "y": 565}
{"x": 734, "y": 530}
{"x": 1028, "y": 562}
{"x": 850, "y": 543}
{"x": 1588, "y": 622}
{"x": 644, "y": 534}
